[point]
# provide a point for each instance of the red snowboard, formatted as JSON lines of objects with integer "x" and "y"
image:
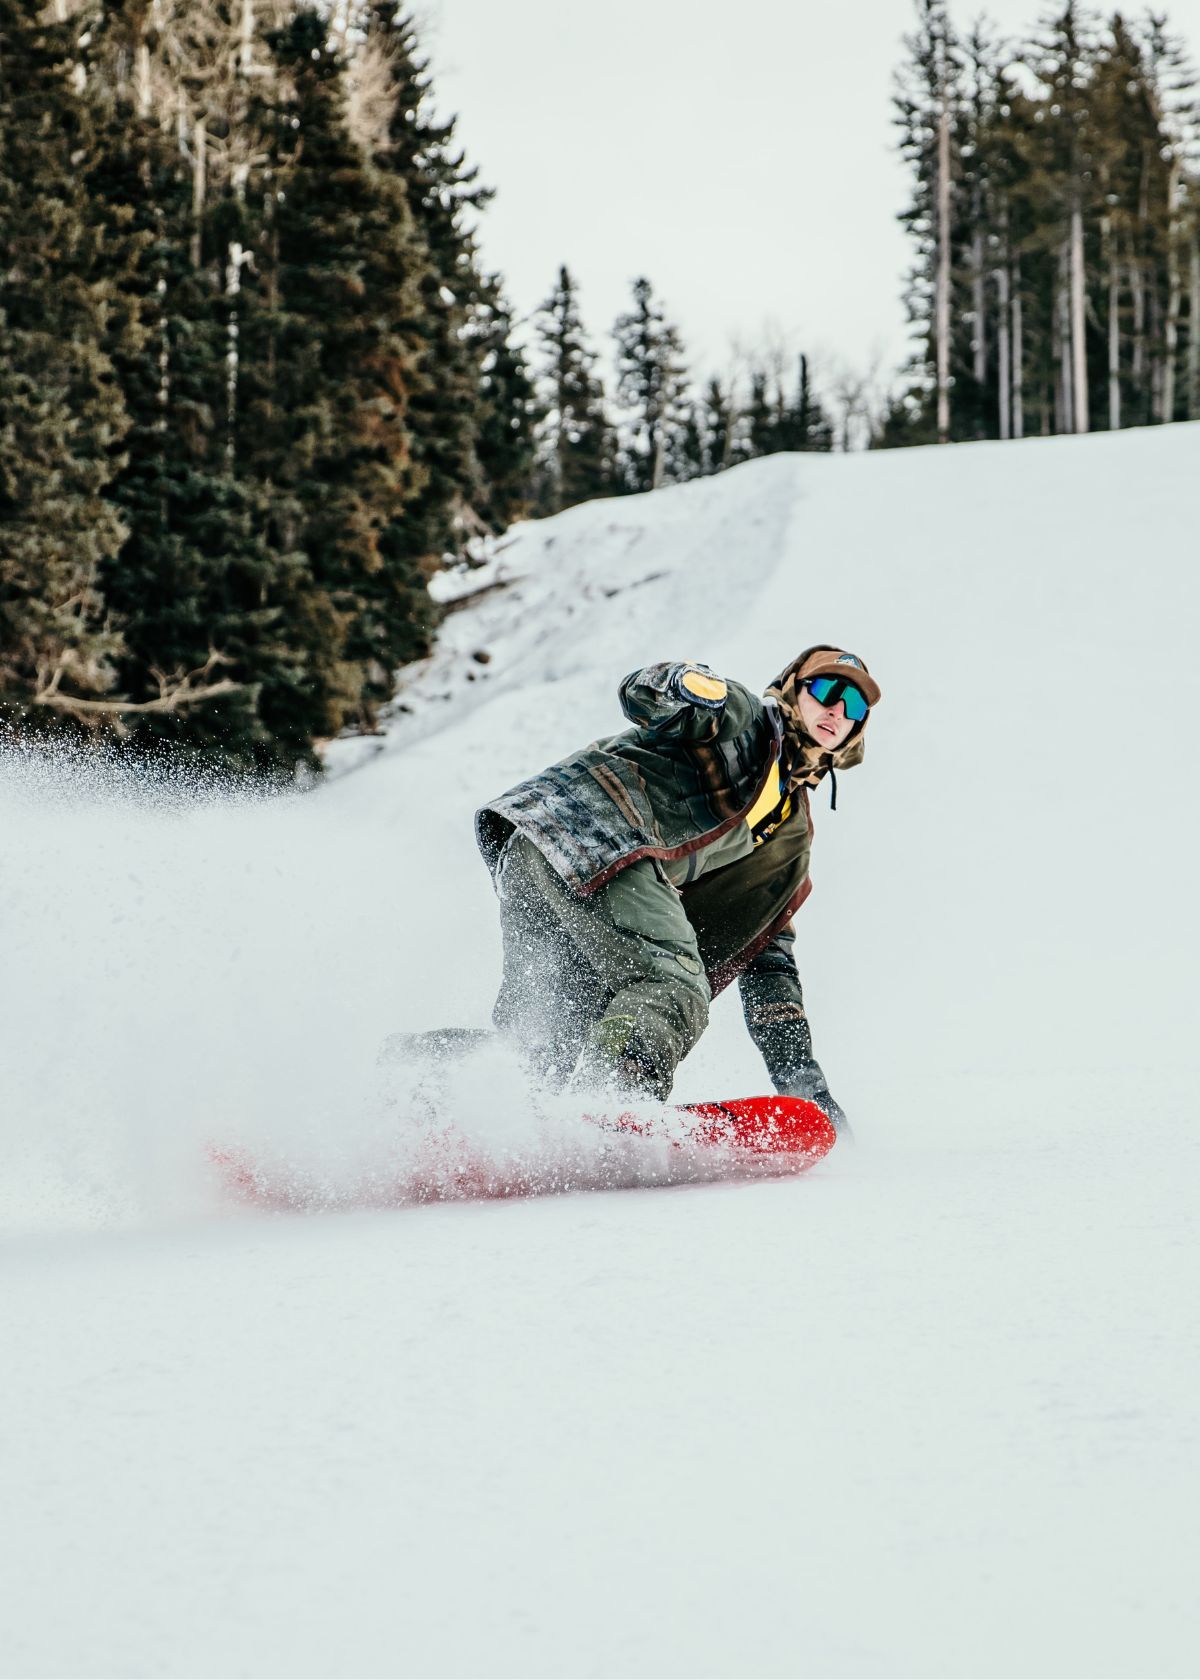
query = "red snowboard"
{"x": 761, "y": 1125}
{"x": 748, "y": 1137}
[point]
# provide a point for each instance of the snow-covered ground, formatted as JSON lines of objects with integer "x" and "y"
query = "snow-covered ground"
{"x": 929, "y": 1410}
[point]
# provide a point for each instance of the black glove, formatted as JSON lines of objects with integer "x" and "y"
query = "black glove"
{"x": 807, "y": 1081}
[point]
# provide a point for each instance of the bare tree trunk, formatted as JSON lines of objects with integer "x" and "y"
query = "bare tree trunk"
{"x": 1079, "y": 376}
{"x": 199, "y": 169}
{"x": 658, "y": 448}
{"x": 233, "y": 285}
{"x": 246, "y": 40}
{"x": 1137, "y": 366}
{"x": 141, "y": 77}
{"x": 1002, "y": 350}
{"x": 1193, "y": 355}
{"x": 164, "y": 358}
{"x": 1114, "y": 329}
{"x": 1174, "y": 298}
{"x": 1064, "y": 411}
{"x": 979, "y": 303}
{"x": 237, "y": 256}
{"x": 1018, "y": 352}
{"x": 1137, "y": 281}
{"x": 942, "y": 306}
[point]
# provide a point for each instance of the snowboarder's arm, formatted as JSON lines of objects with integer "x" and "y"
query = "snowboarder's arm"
{"x": 773, "y": 1004}
{"x": 676, "y": 699}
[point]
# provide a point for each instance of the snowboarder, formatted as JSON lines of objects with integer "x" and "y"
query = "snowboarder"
{"x": 642, "y": 874}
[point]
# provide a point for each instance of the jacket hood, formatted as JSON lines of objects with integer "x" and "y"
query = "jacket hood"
{"x": 814, "y": 761}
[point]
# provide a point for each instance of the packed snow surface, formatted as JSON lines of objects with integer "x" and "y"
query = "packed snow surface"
{"x": 929, "y": 1409}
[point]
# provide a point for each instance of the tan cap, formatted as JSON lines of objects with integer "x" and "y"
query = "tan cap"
{"x": 835, "y": 662}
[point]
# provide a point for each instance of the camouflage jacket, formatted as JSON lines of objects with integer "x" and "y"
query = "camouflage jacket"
{"x": 686, "y": 772}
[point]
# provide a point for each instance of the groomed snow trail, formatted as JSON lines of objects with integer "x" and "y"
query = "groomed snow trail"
{"x": 929, "y": 1410}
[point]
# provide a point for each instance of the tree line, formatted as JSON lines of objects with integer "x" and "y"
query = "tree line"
{"x": 256, "y": 383}
{"x": 1055, "y": 216}
{"x": 656, "y": 428}
{"x": 254, "y": 380}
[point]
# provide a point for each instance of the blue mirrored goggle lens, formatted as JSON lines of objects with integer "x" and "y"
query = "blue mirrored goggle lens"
{"x": 827, "y": 691}
{"x": 856, "y": 703}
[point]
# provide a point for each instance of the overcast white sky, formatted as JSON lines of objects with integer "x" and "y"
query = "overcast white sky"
{"x": 739, "y": 152}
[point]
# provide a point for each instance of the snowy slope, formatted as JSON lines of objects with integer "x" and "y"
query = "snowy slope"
{"x": 927, "y": 1411}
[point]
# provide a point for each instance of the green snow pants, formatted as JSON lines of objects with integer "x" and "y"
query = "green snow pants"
{"x": 612, "y": 984}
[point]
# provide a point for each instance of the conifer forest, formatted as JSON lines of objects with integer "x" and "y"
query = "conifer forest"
{"x": 257, "y": 384}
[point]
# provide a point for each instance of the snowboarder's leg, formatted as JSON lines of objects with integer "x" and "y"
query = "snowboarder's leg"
{"x": 640, "y": 938}
{"x": 547, "y": 995}
{"x": 615, "y": 980}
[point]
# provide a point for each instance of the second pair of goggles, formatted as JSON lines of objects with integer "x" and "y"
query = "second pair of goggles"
{"x": 702, "y": 687}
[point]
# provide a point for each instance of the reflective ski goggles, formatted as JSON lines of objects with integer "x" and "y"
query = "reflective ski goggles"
{"x": 827, "y": 691}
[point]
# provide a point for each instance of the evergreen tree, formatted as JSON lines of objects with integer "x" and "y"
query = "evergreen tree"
{"x": 773, "y": 422}
{"x": 803, "y": 422}
{"x": 1064, "y": 293}
{"x": 652, "y": 388}
{"x": 761, "y": 417}
{"x": 509, "y": 414}
{"x": 717, "y": 424}
{"x": 928, "y": 113}
{"x": 325, "y": 360}
{"x": 1065, "y": 150}
{"x": 1124, "y": 114}
{"x": 444, "y": 409}
{"x": 62, "y": 416}
{"x": 193, "y": 580}
{"x": 576, "y": 442}
{"x": 1171, "y": 81}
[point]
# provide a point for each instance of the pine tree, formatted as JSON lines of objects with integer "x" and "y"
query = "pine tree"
{"x": 772, "y": 422}
{"x": 445, "y": 402}
{"x": 1125, "y": 115}
{"x": 326, "y": 358}
{"x": 509, "y": 414}
{"x": 652, "y": 387}
{"x": 803, "y": 422}
{"x": 1066, "y": 179}
{"x": 62, "y": 417}
{"x": 576, "y": 442}
{"x": 760, "y": 417}
{"x": 718, "y": 424}
{"x": 1171, "y": 81}
{"x": 928, "y": 113}
{"x": 1073, "y": 255}
{"x": 192, "y": 579}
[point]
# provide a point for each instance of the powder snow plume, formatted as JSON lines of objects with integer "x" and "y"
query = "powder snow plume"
{"x": 194, "y": 987}
{"x": 180, "y": 962}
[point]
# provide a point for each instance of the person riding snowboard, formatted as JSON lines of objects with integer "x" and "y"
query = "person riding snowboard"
{"x": 644, "y": 873}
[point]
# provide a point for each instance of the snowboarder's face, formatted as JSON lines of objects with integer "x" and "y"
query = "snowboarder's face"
{"x": 828, "y": 725}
